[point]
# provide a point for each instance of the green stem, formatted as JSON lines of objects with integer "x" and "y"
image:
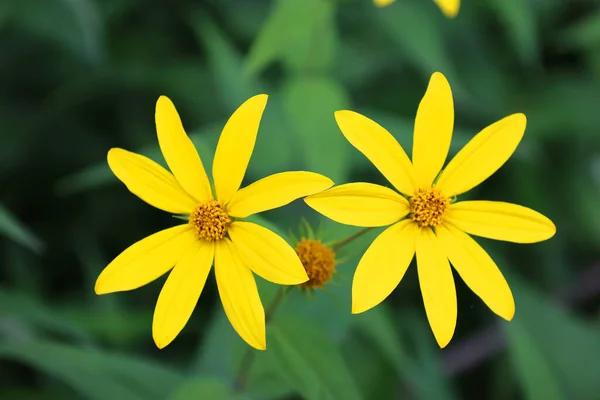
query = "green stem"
{"x": 246, "y": 364}
{"x": 338, "y": 245}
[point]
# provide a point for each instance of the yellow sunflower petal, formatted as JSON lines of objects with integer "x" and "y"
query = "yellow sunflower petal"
{"x": 267, "y": 254}
{"x": 478, "y": 270}
{"x": 235, "y": 147}
{"x": 239, "y": 295}
{"x": 360, "y": 204}
{"x": 181, "y": 292}
{"x": 449, "y": 7}
{"x": 383, "y": 265}
{"x": 146, "y": 260}
{"x": 383, "y": 3}
{"x": 275, "y": 191}
{"x": 483, "y": 155}
{"x": 179, "y": 151}
{"x": 433, "y": 130}
{"x": 501, "y": 221}
{"x": 149, "y": 181}
{"x": 437, "y": 287}
{"x": 380, "y": 147}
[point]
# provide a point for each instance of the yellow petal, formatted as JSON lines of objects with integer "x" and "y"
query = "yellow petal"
{"x": 380, "y": 147}
{"x": 501, "y": 221}
{"x": 382, "y": 3}
{"x": 483, "y": 155}
{"x": 437, "y": 287}
{"x": 449, "y": 7}
{"x": 383, "y": 265}
{"x": 181, "y": 292}
{"x": 149, "y": 181}
{"x": 433, "y": 130}
{"x": 146, "y": 260}
{"x": 235, "y": 147}
{"x": 179, "y": 151}
{"x": 239, "y": 295}
{"x": 360, "y": 204}
{"x": 276, "y": 191}
{"x": 267, "y": 254}
{"x": 477, "y": 269}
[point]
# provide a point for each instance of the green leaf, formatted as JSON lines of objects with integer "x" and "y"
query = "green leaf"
{"x": 73, "y": 24}
{"x": 418, "y": 35}
{"x": 13, "y": 229}
{"x": 95, "y": 375}
{"x": 552, "y": 349}
{"x": 378, "y": 326}
{"x": 19, "y": 308}
{"x": 582, "y": 35}
{"x": 520, "y": 25}
{"x": 202, "y": 388}
{"x": 311, "y": 102}
{"x": 299, "y": 31}
{"x": 310, "y": 361}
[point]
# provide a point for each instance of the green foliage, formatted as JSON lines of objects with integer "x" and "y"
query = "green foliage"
{"x": 79, "y": 77}
{"x": 310, "y": 361}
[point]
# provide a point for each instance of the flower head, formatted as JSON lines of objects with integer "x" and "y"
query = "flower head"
{"x": 215, "y": 231}
{"x": 318, "y": 260}
{"x": 424, "y": 218}
{"x": 449, "y": 7}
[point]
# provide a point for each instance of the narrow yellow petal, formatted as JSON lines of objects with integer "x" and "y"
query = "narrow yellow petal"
{"x": 360, "y": 204}
{"x": 437, "y": 287}
{"x": 149, "y": 181}
{"x": 181, "y": 292}
{"x": 477, "y": 269}
{"x": 380, "y": 147}
{"x": 383, "y": 3}
{"x": 267, "y": 254}
{"x": 179, "y": 151}
{"x": 239, "y": 295}
{"x": 449, "y": 7}
{"x": 483, "y": 155}
{"x": 433, "y": 130}
{"x": 146, "y": 260}
{"x": 276, "y": 191}
{"x": 501, "y": 221}
{"x": 235, "y": 147}
{"x": 383, "y": 265}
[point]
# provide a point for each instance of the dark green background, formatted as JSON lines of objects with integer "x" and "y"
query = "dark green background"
{"x": 78, "y": 77}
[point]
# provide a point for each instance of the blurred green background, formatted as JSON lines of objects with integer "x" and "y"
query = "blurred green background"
{"x": 78, "y": 77}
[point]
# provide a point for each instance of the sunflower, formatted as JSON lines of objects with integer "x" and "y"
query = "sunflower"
{"x": 449, "y": 7}
{"x": 214, "y": 230}
{"x": 424, "y": 217}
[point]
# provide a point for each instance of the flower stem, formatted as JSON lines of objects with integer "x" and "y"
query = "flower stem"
{"x": 247, "y": 361}
{"x": 338, "y": 245}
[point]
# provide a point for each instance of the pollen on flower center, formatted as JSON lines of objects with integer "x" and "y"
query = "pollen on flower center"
{"x": 428, "y": 207}
{"x": 318, "y": 261}
{"x": 210, "y": 220}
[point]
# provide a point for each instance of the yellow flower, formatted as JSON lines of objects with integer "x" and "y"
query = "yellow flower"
{"x": 449, "y": 7}
{"x": 213, "y": 231}
{"x": 429, "y": 223}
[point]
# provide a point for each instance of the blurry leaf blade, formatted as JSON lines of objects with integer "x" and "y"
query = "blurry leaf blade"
{"x": 15, "y": 230}
{"x": 563, "y": 348}
{"x": 310, "y": 361}
{"x": 520, "y": 25}
{"x": 311, "y": 103}
{"x": 202, "y": 388}
{"x": 297, "y": 30}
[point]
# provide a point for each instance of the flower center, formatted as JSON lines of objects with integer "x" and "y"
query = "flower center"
{"x": 210, "y": 220}
{"x": 428, "y": 207}
{"x": 318, "y": 261}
